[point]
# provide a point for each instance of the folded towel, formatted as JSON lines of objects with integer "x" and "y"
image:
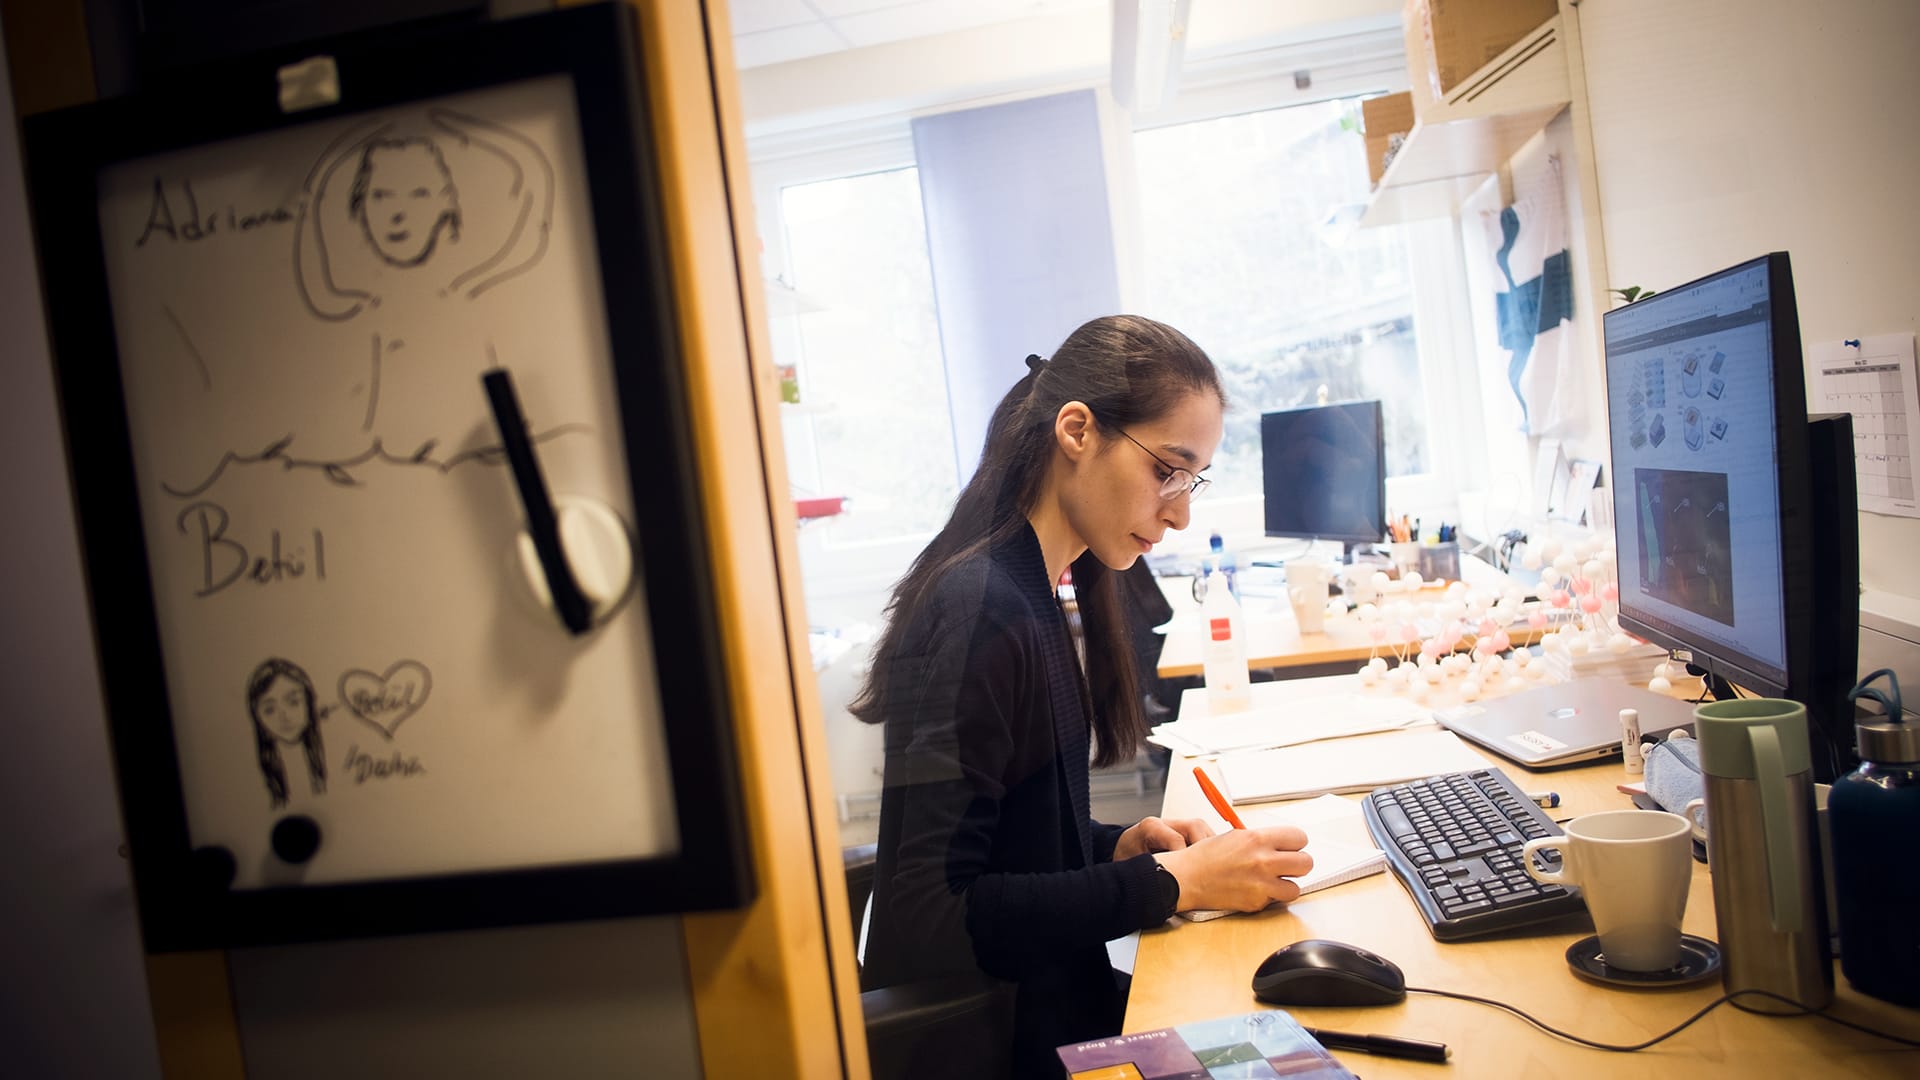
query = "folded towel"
{"x": 1673, "y": 772}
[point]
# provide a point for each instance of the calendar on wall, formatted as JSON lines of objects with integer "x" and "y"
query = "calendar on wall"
{"x": 1873, "y": 379}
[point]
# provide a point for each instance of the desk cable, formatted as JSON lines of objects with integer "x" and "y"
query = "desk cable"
{"x": 1711, "y": 685}
{"x": 1684, "y": 1024}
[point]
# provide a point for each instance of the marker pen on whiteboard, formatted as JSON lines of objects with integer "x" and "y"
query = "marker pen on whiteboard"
{"x": 1630, "y": 741}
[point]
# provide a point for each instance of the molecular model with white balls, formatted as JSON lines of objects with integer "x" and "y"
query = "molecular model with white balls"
{"x": 1471, "y": 640}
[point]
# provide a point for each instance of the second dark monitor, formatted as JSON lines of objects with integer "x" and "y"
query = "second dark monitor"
{"x": 1324, "y": 473}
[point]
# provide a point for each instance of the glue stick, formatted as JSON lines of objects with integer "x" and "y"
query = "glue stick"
{"x": 1630, "y": 740}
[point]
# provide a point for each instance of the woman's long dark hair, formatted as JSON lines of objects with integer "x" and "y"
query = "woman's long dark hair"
{"x": 1127, "y": 370}
{"x": 267, "y": 747}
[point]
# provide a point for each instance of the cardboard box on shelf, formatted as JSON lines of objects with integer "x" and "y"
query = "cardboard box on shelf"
{"x": 1381, "y": 118}
{"x": 1413, "y": 36}
{"x": 1458, "y": 37}
{"x": 1377, "y": 148}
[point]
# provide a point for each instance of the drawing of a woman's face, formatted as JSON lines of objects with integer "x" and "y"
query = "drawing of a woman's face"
{"x": 405, "y": 199}
{"x": 282, "y": 709}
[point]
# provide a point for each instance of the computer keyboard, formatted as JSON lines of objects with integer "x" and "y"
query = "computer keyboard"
{"x": 1454, "y": 842}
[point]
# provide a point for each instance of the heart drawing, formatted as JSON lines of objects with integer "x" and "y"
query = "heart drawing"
{"x": 385, "y": 701}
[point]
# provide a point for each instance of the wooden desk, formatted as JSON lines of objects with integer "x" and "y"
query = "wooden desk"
{"x": 1274, "y": 640}
{"x": 1195, "y": 971}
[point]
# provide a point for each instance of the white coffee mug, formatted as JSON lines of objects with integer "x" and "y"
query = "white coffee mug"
{"x": 1307, "y": 591}
{"x": 1634, "y": 868}
{"x": 1696, "y": 814}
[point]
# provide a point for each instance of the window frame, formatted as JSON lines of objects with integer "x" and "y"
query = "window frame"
{"x": 836, "y": 153}
{"x": 1346, "y": 66}
{"x": 1443, "y": 334}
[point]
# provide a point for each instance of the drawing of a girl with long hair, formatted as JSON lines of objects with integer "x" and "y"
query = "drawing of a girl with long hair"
{"x": 280, "y": 700}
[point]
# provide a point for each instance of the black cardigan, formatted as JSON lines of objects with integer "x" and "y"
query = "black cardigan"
{"x": 987, "y": 858}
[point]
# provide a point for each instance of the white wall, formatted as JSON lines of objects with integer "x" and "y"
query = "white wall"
{"x": 73, "y": 1001}
{"x": 1724, "y": 129}
{"x": 599, "y": 999}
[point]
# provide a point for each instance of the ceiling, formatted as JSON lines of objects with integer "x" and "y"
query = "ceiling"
{"x": 775, "y": 31}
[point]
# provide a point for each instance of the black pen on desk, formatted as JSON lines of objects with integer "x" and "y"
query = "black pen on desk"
{"x": 1383, "y": 1045}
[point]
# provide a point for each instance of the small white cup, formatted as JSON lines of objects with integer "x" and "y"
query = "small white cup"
{"x": 1356, "y": 580}
{"x": 1307, "y": 591}
{"x": 1406, "y": 555}
{"x": 1634, "y": 868}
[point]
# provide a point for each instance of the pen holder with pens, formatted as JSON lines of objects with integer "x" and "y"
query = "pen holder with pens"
{"x": 1439, "y": 562}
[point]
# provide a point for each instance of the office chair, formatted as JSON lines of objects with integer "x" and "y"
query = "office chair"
{"x": 1147, "y": 607}
{"x": 960, "y": 1026}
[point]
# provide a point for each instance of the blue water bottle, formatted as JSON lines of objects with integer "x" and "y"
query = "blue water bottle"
{"x": 1874, "y": 815}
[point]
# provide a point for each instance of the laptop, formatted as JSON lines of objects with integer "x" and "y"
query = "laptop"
{"x": 1566, "y": 723}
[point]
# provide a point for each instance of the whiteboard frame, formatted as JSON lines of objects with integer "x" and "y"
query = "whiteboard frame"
{"x": 183, "y": 904}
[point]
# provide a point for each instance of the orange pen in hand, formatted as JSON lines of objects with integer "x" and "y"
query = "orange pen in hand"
{"x": 1218, "y": 800}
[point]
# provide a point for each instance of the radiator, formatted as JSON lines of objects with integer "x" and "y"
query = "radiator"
{"x": 1890, "y": 638}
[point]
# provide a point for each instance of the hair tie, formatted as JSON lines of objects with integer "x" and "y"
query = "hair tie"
{"x": 1035, "y": 362}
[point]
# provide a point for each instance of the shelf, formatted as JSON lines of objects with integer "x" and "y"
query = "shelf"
{"x": 1456, "y": 144}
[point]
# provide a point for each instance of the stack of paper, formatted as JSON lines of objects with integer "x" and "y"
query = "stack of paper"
{"x": 1329, "y": 716}
{"x": 1362, "y": 764}
{"x": 1634, "y": 665}
{"x": 1336, "y": 838}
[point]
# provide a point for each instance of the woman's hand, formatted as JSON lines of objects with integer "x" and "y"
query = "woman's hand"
{"x": 1240, "y": 869}
{"x": 1156, "y": 834}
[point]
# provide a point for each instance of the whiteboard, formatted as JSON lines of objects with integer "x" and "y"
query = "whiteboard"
{"x": 303, "y": 318}
{"x": 350, "y": 632}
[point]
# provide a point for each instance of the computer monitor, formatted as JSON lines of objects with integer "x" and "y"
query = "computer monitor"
{"x": 1324, "y": 473}
{"x": 1732, "y": 541}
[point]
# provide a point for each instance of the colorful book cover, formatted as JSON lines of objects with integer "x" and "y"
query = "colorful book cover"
{"x": 1255, "y": 1046}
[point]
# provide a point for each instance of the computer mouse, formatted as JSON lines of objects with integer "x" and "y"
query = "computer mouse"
{"x": 1318, "y": 972}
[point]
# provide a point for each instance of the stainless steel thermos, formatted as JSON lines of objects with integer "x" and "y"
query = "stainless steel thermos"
{"x": 1763, "y": 852}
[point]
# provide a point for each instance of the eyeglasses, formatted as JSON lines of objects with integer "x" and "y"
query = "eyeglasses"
{"x": 1177, "y": 479}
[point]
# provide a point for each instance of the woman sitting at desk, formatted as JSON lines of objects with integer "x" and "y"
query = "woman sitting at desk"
{"x": 988, "y": 860}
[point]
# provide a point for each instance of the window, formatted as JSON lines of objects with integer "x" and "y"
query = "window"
{"x": 872, "y": 422}
{"x": 1235, "y": 254}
